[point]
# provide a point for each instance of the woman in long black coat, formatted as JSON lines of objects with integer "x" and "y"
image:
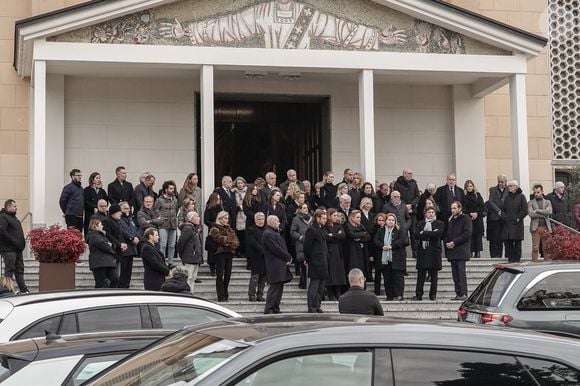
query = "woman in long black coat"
{"x": 92, "y": 194}
{"x": 392, "y": 262}
{"x": 514, "y": 209}
{"x": 428, "y": 233}
{"x": 255, "y": 254}
{"x": 457, "y": 248}
{"x": 334, "y": 237}
{"x": 101, "y": 256}
{"x": 155, "y": 269}
{"x": 376, "y": 252}
{"x": 356, "y": 237}
{"x": 316, "y": 255}
{"x": 275, "y": 208}
{"x": 474, "y": 207}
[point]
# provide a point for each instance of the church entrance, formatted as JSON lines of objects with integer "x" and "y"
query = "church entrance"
{"x": 255, "y": 134}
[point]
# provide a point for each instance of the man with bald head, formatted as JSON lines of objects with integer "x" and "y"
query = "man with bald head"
{"x": 447, "y": 195}
{"x": 228, "y": 200}
{"x": 277, "y": 259}
{"x": 292, "y": 177}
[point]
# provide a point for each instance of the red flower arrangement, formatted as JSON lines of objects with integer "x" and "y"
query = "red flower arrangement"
{"x": 562, "y": 245}
{"x": 56, "y": 245}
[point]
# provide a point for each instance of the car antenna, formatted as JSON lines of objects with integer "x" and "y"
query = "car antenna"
{"x": 51, "y": 336}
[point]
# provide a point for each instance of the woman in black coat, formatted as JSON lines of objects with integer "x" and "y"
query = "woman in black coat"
{"x": 252, "y": 204}
{"x": 392, "y": 263}
{"x": 213, "y": 207}
{"x": 376, "y": 252}
{"x": 255, "y": 254}
{"x": 457, "y": 248}
{"x": 334, "y": 237}
{"x": 316, "y": 254}
{"x": 355, "y": 244}
{"x": 189, "y": 247}
{"x": 274, "y": 208}
{"x": 428, "y": 233}
{"x": 300, "y": 224}
{"x": 368, "y": 222}
{"x": 474, "y": 207}
{"x": 93, "y": 193}
{"x": 514, "y": 209}
{"x": 101, "y": 256}
{"x": 155, "y": 269}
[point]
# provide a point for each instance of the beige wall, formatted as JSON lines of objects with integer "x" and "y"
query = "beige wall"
{"x": 530, "y": 15}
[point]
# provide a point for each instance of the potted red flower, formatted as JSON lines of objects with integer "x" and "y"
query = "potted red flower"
{"x": 562, "y": 245}
{"x": 57, "y": 250}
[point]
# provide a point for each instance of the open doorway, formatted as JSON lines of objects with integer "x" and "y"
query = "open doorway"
{"x": 255, "y": 134}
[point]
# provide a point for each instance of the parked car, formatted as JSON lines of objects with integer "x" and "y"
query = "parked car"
{"x": 68, "y": 360}
{"x": 537, "y": 296}
{"x": 72, "y": 312}
{"x": 346, "y": 350}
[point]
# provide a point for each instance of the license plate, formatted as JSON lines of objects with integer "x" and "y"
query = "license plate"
{"x": 473, "y": 318}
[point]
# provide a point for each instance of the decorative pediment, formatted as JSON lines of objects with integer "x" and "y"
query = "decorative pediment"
{"x": 286, "y": 24}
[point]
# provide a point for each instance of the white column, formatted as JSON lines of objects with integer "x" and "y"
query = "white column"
{"x": 469, "y": 137}
{"x": 54, "y": 166}
{"x": 366, "y": 113}
{"x": 519, "y": 122}
{"x": 207, "y": 131}
{"x": 38, "y": 146}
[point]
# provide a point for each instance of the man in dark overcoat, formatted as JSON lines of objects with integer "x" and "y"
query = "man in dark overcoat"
{"x": 12, "y": 243}
{"x": 407, "y": 186}
{"x": 497, "y": 195}
{"x": 255, "y": 253}
{"x": 515, "y": 209}
{"x": 277, "y": 259}
{"x": 447, "y": 195}
{"x": 228, "y": 199}
{"x": 316, "y": 255}
{"x": 458, "y": 248}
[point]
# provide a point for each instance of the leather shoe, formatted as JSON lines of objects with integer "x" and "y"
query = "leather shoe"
{"x": 319, "y": 310}
{"x": 398, "y": 298}
{"x": 260, "y": 299}
{"x": 252, "y": 299}
{"x": 463, "y": 297}
{"x": 197, "y": 281}
{"x": 432, "y": 298}
{"x": 417, "y": 298}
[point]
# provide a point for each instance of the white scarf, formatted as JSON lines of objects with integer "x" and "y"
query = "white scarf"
{"x": 427, "y": 228}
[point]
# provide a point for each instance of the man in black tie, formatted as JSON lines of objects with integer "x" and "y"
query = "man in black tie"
{"x": 228, "y": 200}
{"x": 446, "y": 195}
{"x": 344, "y": 205}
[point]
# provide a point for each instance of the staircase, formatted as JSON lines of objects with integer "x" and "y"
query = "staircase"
{"x": 294, "y": 299}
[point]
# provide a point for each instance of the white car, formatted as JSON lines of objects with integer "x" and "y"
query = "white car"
{"x": 81, "y": 311}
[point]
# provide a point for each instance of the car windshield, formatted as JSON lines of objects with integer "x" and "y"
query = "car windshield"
{"x": 492, "y": 288}
{"x": 179, "y": 358}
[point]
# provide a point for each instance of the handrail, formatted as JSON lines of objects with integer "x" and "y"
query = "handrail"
{"x": 29, "y": 214}
{"x": 564, "y": 225}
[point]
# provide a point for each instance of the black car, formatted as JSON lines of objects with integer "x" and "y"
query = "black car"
{"x": 347, "y": 350}
{"x": 539, "y": 296}
{"x": 68, "y": 360}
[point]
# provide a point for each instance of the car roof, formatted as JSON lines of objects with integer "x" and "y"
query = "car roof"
{"x": 302, "y": 330}
{"x": 76, "y": 344}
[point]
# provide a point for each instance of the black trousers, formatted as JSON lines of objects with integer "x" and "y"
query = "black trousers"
{"x": 256, "y": 286}
{"x": 300, "y": 270}
{"x": 274, "y": 298}
{"x": 459, "y": 277}
{"x": 74, "y": 221}
{"x": 421, "y": 274}
{"x": 102, "y": 274}
{"x": 315, "y": 293}
{"x": 223, "y": 272}
{"x": 126, "y": 272}
{"x": 14, "y": 268}
{"x": 494, "y": 237}
{"x": 394, "y": 281}
{"x": 513, "y": 250}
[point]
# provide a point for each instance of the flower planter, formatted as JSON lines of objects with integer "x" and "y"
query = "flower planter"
{"x": 56, "y": 276}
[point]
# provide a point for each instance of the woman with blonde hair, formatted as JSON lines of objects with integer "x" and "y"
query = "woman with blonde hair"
{"x": 392, "y": 263}
{"x": 240, "y": 190}
{"x": 226, "y": 243}
{"x": 7, "y": 287}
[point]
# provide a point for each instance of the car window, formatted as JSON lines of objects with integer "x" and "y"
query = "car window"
{"x": 69, "y": 325}
{"x": 91, "y": 366}
{"x": 490, "y": 291}
{"x": 336, "y": 369}
{"x": 176, "y": 317}
{"x": 551, "y": 373}
{"x": 555, "y": 292}
{"x": 38, "y": 329}
{"x": 109, "y": 319}
{"x": 414, "y": 367}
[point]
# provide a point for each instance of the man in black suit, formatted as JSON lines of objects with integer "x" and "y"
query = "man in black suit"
{"x": 344, "y": 206}
{"x": 357, "y": 300}
{"x": 447, "y": 195}
{"x": 277, "y": 259}
{"x": 228, "y": 199}
{"x": 121, "y": 190}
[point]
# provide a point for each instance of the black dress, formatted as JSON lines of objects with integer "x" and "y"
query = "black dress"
{"x": 473, "y": 203}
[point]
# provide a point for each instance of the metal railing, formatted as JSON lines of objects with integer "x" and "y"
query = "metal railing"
{"x": 29, "y": 214}
{"x": 564, "y": 225}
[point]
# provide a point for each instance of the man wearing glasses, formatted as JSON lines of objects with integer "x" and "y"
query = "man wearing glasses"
{"x": 72, "y": 201}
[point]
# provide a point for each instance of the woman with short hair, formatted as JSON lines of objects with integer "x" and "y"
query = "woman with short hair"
{"x": 428, "y": 233}
{"x": 101, "y": 256}
{"x": 213, "y": 206}
{"x": 226, "y": 243}
{"x": 92, "y": 194}
{"x": 356, "y": 238}
{"x": 392, "y": 262}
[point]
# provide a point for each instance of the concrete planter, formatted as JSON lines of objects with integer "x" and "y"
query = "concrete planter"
{"x": 56, "y": 276}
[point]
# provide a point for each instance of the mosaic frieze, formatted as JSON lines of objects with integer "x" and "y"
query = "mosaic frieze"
{"x": 286, "y": 24}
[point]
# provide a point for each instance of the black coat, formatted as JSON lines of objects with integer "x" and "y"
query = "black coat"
{"x": 176, "y": 284}
{"x": 441, "y": 197}
{"x": 114, "y": 234}
{"x": 429, "y": 256}
{"x": 279, "y": 211}
{"x": 129, "y": 231}
{"x": 316, "y": 252}
{"x": 92, "y": 197}
{"x": 72, "y": 200}
{"x": 334, "y": 238}
{"x": 408, "y": 189}
{"x": 357, "y": 300}
{"x": 276, "y": 256}
{"x": 355, "y": 248}
{"x": 140, "y": 192}
{"x": 473, "y": 203}
{"x": 154, "y": 266}
{"x": 381, "y": 201}
{"x": 300, "y": 225}
{"x": 229, "y": 204}
{"x": 398, "y": 243}
{"x": 101, "y": 255}
{"x": 459, "y": 231}
{"x": 189, "y": 245}
{"x": 421, "y": 206}
{"x": 515, "y": 209}
{"x": 11, "y": 233}
{"x": 560, "y": 208}
{"x": 251, "y": 209}
{"x": 255, "y": 250}
{"x": 327, "y": 196}
{"x": 495, "y": 203}
{"x": 118, "y": 192}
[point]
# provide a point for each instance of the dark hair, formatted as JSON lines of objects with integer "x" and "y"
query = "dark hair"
{"x": 73, "y": 172}
{"x": 329, "y": 213}
{"x": 536, "y": 186}
{"x": 319, "y": 212}
{"x": 167, "y": 184}
{"x": 92, "y": 177}
{"x": 118, "y": 169}
{"x": 187, "y": 185}
{"x": 213, "y": 200}
{"x": 458, "y": 204}
{"x": 8, "y": 203}
{"x": 93, "y": 223}
{"x": 149, "y": 232}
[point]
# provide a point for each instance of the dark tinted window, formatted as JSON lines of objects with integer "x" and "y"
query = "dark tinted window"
{"x": 109, "y": 319}
{"x": 555, "y": 292}
{"x": 175, "y": 317}
{"x": 551, "y": 373}
{"x": 414, "y": 367}
{"x": 37, "y": 330}
{"x": 492, "y": 288}
{"x": 69, "y": 325}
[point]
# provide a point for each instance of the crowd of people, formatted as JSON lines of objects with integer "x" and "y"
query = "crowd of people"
{"x": 324, "y": 231}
